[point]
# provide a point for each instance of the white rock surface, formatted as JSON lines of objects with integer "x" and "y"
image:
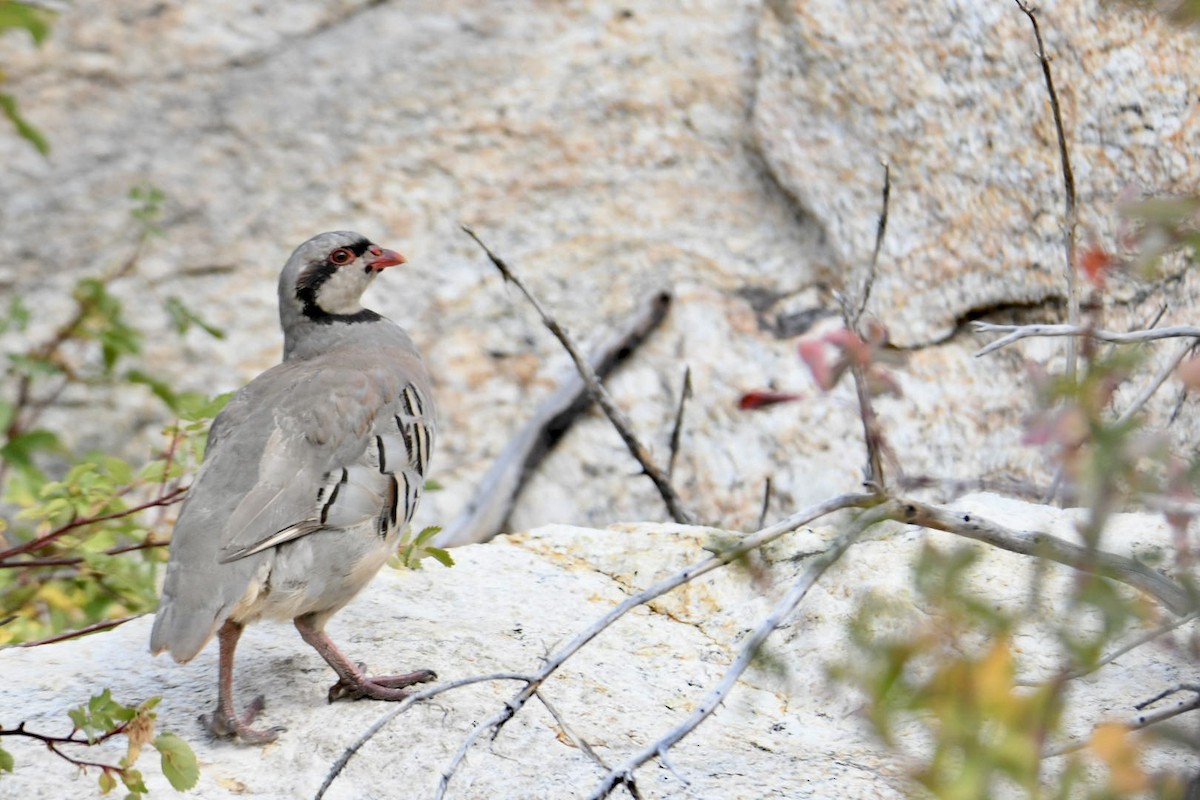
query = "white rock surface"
{"x": 601, "y": 149}
{"x": 509, "y": 602}
{"x": 950, "y": 93}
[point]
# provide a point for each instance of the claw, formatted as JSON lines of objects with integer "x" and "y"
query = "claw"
{"x": 382, "y": 687}
{"x": 224, "y": 726}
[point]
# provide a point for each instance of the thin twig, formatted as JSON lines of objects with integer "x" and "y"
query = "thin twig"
{"x": 864, "y": 292}
{"x": 1071, "y": 214}
{"x": 623, "y": 775}
{"x": 1031, "y": 543}
{"x": 872, "y": 434}
{"x": 873, "y": 478}
{"x": 766, "y": 502}
{"x": 617, "y": 417}
{"x": 1165, "y": 693}
{"x": 399, "y": 709}
{"x": 174, "y": 496}
{"x": 685, "y": 394}
{"x": 1148, "y": 391}
{"x": 690, "y": 573}
{"x": 1017, "y": 332}
{"x": 576, "y": 739}
{"x": 54, "y": 744}
{"x": 1142, "y": 721}
{"x": 490, "y": 505}
{"x": 105, "y": 625}
{"x": 1108, "y": 658}
{"x": 70, "y": 561}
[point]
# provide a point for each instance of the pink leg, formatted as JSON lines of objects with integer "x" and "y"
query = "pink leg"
{"x": 224, "y": 721}
{"x": 353, "y": 683}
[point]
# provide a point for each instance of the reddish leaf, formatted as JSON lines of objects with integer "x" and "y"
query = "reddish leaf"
{"x": 854, "y": 348}
{"x": 1095, "y": 261}
{"x": 1188, "y": 373}
{"x": 812, "y": 352}
{"x": 761, "y": 398}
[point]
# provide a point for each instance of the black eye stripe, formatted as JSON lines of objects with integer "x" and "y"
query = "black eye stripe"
{"x": 317, "y": 273}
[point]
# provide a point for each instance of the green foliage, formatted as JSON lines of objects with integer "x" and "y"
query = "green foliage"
{"x": 102, "y": 719}
{"x": 34, "y": 20}
{"x": 413, "y": 549}
{"x": 82, "y": 539}
{"x": 83, "y": 536}
{"x": 178, "y": 761}
{"x": 953, "y": 672}
{"x": 16, "y": 15}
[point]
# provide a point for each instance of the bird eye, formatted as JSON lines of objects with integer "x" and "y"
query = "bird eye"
{"x": 341, "y": 256}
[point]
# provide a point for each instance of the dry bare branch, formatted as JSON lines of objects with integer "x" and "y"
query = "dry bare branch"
{"x": 674, "y": 503}
{"x": 690, "y": 573}
{"x": 1108, "y": 658}
{"x": 103, "y": 625}
{"x": 1142, "y": 721}
{"x": 1071, "y": 214}
{"x": 766, "y": 502}
{"x": 578, "y": 740}
{"x": 1148, "y": 391}
{"x": 623, "y": 775}
{"x": 1034, "y": 543}
{"x": 485, "y": 514}
{"x": 399, "y": 709}
{"x": 864, "y": 292}
{"x": 1015, "y": 333}
{"x": 685, "y": 394}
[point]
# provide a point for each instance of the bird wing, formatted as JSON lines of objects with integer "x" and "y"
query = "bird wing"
{"x": 334, "y": 458}
{"x": 298, "y": 449}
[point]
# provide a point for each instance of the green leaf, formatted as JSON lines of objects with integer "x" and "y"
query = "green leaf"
{"x": 134, "y": 781}
{"x": 24, "y": 16}
{"x": 120, "y": 470}
{"x": 107, "y": 782}
{"x": 33, "y": 367}
{"x": 161, "y": 389}
{"x": 18, "y": 316}
{"x": 441, "y": 556}
{"x": 178, "y": 761}
{"x": 184, "y": 318}
{"x": 78, "y": 717}
{"x": 6, "y": 761}
{"x": 426, "y": 534}
{"x": 20, "y": 449}
{"x": 149, "y": 200}
{"x": 154, "y": 472}
{"x": 8, "y": 107}
{"x": 194, "y": 407}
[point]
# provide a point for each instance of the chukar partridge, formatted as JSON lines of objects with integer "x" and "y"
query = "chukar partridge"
{"x": 312, "y": 471}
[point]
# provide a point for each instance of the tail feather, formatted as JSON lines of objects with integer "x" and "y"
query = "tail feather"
{"x": 182, "y": 635}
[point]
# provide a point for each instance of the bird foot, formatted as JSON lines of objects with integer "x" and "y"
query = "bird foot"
{"x": 223, "y": 724}
{"x": 379, "y": 687}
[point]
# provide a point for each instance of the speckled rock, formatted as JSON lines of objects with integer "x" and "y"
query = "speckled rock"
{"x": 951, "y": 95}
{"x": 602, "y": 150}
{"x": 789, "y": 733}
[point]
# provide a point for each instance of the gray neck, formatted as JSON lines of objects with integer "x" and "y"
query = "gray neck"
{"x": 305, "y": 338}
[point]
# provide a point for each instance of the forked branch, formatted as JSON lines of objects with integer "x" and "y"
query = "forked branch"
{"x": 615, "y": 415}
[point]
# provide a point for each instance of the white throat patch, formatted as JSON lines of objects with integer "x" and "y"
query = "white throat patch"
{"x": 341, "y": 293}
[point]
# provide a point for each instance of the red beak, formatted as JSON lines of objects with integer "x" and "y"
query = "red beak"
{"x": 384, "y": 258}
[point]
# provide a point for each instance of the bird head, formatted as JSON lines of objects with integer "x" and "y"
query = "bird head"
{"x": 322, "y": 283}
{"x": 325, "y": 277}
